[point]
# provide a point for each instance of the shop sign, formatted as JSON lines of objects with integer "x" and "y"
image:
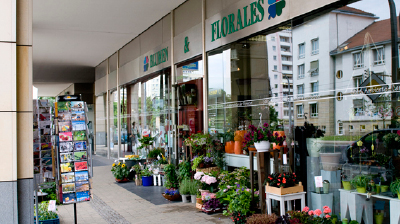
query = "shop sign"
{"x": 245, "y": 17}
{"x": 155, "y": 59}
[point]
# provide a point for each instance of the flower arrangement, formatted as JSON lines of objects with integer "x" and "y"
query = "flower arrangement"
{"x": 212, "y": 205}
{"x": 227, "y": 181}
{"x": 282, "y": 180}
{"x": 120, "y": 171}
{"x": 239, "y": 203}
{"x": 307, "y": 216}
{"x": 171, "y": 191}
{"x": 198, "y": 142}
{"x": 264, "y": 133}
{"x": 207, "y": 181}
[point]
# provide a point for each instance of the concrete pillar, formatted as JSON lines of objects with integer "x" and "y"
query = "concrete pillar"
{"x": 24, "y": 121}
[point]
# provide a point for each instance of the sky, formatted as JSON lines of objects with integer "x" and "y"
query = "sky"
{"x": 378, "y": 7}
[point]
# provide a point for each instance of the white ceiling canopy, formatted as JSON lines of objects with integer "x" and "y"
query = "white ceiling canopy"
{"x": 71, "y": 37}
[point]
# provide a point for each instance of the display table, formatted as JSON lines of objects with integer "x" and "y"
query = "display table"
{"x": 157, "y": 180}
{"x": 394, "y": 211}
{"x": 320, "y": 200}
{"x": 283, "y": 199}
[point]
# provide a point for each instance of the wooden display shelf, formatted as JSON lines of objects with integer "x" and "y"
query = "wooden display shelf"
{"x": 283, "y": 191}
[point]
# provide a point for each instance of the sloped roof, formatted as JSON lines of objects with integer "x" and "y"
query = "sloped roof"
{"x": 354, "y": 10}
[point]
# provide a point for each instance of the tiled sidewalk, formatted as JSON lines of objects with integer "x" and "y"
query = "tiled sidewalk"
{"x": 112, "y": 203}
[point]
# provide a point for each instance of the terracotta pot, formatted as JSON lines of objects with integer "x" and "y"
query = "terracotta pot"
{"x": 238, "y": 148}
{"x": 230, "y": 147}
{"x": 198, "y": 200}
{"x": 122, "y": 180}
{"x": 280, "y": 133}
{"x": 252, "y": 149}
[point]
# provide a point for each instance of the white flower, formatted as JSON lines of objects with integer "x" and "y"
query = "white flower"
{"x": 204, "y": 178}
{"x": 211, "y": 180}
{"x": 198, "y": 175}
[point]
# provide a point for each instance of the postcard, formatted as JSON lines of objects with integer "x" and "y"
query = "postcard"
{"x": 64, "y": 126}
{"x": 82, "y": 186}
{"x": 47, "y": 161}
{"x": 65, "y": 136}
{"x": 66, "y": 157}
{"x": 67, "y": 167}
{"x": 77, "y": 105}
{"x": 63, "y": 117}
{"x": 64, "y": 106}
{"x": 66, "y": 147}
{"x": 45, "y": 131}
{"x": 81, "y": 166}
{"x": 69, "y": 198}
{"x": 81, "y": 176}
{"x": 79, "y": 146}
{"x": 78, "y": 116}
{"x": 44, "y": 117}
{"x": 80, "y": 156}
{"x": 46, "y": 153}
{"x": 46, "y": 146}
{"x": 79, "y": 135}
{"x": 44, "y": 124}
{"x": 36, "y": 155}
{"x": 68, "y": 177}
{"x": 68, "y": 188}
{"x": 45, "y": 138}
{"x": 78, "y": 125}
{"x": 36, "y": 147}
{"x": 83, "y": 196}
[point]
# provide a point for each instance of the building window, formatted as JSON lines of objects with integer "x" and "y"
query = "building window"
{"x": 315, "y": 46}
{"x": 358, "y": 60}
{"x": 339, "y": 74}
{"x": 300, "y": 90}
{"x": 340, "y": 130}
{"x": 314, "y": 67}
{"x": 314, "y": 88}
{"x": 275, "y": 67}
{"x": 272, "y": 38}
{"x": 376, "y": 127}
{"x": 301, "y": 71}
{"x": 357, "y": 81}
{"x": 276, "y": 94}
{"x": 379, "y": 56}
{"x": 286, "y": 113}
{"x": 276, "y": 86}
{"x": 323, "y": 128}
{"x": 362, "y": 127}
{"x": 300, "y": 111}
{"x": 274, "y": 48}
{"x": 339, "y": 96}
{"x": 275, "y": 76}
{"x": 314, "y": 109}
{"x": 302, "y": 50}
{"x": 351, "y": 127}
{"x": 274, "y": 57}
{"x": 358, "y": 105}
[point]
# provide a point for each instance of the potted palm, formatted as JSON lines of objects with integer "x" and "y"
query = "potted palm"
{"x": 360, "y": 182}
{"x": 120, "y": 172}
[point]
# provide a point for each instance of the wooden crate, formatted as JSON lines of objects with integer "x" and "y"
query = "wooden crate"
{"x": 283, "y": 191}
{"x": 208, "y": 170}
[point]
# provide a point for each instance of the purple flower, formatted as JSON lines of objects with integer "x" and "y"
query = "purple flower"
{"x": 238, "y": 185}
{"x": 265, "y": 125}
{"x": 237, "y": 190}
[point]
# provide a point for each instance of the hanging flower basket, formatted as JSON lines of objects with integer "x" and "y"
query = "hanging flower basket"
{"x": 262, "y": 146}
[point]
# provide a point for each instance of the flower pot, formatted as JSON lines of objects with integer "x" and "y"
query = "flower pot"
{"x": 334, "y": 220}
{"x": 125, "y": 179}
{"x": 345, "y": 221}
{"x": 326, "y": 188}
{"x": 174, "y": 197}
{"x": 313, "y": 147}
{"x": 138, "y": 182}
{"x": 378, "y": 218}
{"x": 204, "y": 191}
{"x": 346, "y": 185}
{"x": 280, "y": 133}
{"x": 147, "y": 181}
{"x": 262, "y": 146}
{"x": 199, "y": 201}
{"x": 252, "y": 149}
{"x": 193, "y": 199}
{"x": 330, "y": 161}
{"x": 384, "y": 188}
{"x": 238, "y": 148}
{"x": 185, "y": 198}
{"x": 48, "y": 221}
{"x": 361, "y": 190}
{"x": 230, "y": 147}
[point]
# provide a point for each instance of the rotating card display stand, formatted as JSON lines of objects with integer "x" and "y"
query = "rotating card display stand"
{"x": 73, "y": 154}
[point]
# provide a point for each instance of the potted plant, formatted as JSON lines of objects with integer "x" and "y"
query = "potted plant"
{"x": 198, "y": 142}
{"x": 120, "y": 172}
{"x": 155, "y": 154}
{"x": 171, "y": 177}
{"x": 207, "y": 181}
{"x": 193, "y": 189}
{"x": 146, "y": 142}
{"x": 229, "y": 141}
{"x": 46, "y": 216}
{"x": 378, "y": 217}
{"x": 312, "y": 135}
{"x": 285, "y": 183}
{"x": 395, "y": 187}
{"x": 239, "y": 135}
{"x": 311, "y": 216}
{"x": 171, "y": 194}
{"x": 184, "y": 170}
{"x": 391, "y": 142}
{"x": 197, "y": 162}
{"x": 345, "y": 221}
{"x": 147, "y": 177}
{"x": 211, "y": 206}
{"x": 262, "y": 219}
{"x": 239, "y": 204}
{"x": 262, "y": 138}
{"x": 360, "y": 182}
{"x": 184, "y": 190}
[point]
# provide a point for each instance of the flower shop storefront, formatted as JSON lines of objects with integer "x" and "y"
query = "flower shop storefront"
{"x": 276, "y": 119}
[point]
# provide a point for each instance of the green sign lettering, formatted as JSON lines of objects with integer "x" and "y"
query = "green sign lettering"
{"x": 159, "y": 57}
